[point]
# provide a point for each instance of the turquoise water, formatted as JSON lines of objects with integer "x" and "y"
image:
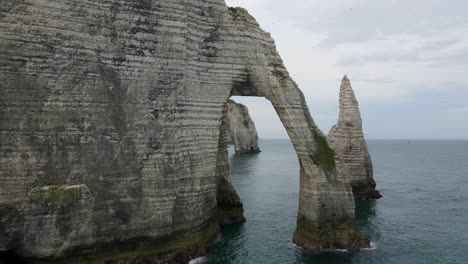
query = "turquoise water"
{"x": 423, "y": 217}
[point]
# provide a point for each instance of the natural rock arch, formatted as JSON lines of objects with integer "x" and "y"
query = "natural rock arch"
{"x": 326, "y": 205}
{"x": 111, "y": 120}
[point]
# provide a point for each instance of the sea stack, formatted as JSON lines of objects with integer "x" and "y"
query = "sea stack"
{"x": 241, "y": 130}
{"x": 352, "y": 155}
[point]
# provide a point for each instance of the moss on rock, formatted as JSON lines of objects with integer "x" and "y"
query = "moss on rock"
{"x": 63, "y": 196}
{"x": 324, "y": 155}
{"x": 176, "y": 249}
{"x": 59, "y": 196}
{"x": 342, "y": 237}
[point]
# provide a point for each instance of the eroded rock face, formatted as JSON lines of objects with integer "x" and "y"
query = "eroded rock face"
{"x": 347, "y": 139}
{"x": 241, "y": 131}
{"x": 125, "y": 99}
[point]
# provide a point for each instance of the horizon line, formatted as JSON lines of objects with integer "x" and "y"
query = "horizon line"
{"x": 413, "y": 139}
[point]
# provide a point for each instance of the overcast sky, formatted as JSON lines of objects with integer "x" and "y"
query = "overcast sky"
{"x": 407, "y": 61}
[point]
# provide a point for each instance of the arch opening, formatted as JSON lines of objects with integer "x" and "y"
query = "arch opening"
{"x": 238, "y": 132}
{"x": 325, "y": 218}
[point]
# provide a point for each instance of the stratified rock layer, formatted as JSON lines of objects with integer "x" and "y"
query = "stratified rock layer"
{"x": 240, "y": 128}
{"x": 110, "y": 117}
{"x": 347, "y": 139}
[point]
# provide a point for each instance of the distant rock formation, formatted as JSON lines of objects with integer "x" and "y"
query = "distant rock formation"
{"x": 347, "y": 139}
{"x": 110, "y": 119}
{"x": 241, "y": 130}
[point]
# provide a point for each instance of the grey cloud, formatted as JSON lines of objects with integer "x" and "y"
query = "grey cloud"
{"x": 412, "y": 89}
{"x": 428, "y": 51}
{"x": 404, "y": 57}
{"x": 359, "y": 21}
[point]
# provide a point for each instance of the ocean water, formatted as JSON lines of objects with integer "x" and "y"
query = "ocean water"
{"x": 423, "y": 217}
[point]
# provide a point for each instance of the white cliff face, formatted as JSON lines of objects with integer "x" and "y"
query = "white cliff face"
{"x": 241, "y": 129}
{"x": 347, "y": 139}
{"x": 117, "y": 106}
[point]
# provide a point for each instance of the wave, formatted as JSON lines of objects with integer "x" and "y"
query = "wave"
{"x": 198, "y": 260}
{"x": 373, "y": 246}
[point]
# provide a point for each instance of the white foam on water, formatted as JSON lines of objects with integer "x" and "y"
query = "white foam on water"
{"x": 329, "y": 250}
{"x": 337, "y": 250}
{"x": 198, "y": 260}
{"x": 373, "y": 246}
{"x": 296, "y": 247}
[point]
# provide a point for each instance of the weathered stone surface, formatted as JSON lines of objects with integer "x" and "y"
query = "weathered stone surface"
{"x": 241, "y": 131}
{"x": 347, "y": 139}
{"x": 125, "y": 99}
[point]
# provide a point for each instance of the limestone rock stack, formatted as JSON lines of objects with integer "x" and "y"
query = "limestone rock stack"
{"x": 240, "y": 128}
{"x": 347, "y": 139}
{"x": 110, "y": 119}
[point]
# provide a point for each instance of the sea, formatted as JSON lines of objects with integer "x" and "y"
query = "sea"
{"x": 422, "y": 218}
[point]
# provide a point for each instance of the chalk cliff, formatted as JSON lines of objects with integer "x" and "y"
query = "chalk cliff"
{"x": 241, "y": 131}
{"x": 110, "y": 120}
{"x": 347, "y": 139}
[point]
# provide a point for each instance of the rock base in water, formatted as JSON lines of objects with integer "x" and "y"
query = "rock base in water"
{"x": 365, "y": 192}
{"x": 231, "y": 215}
{"x": 174, "y": 250}
{"x": 250, "y": 151}
{"x": 346, "y": 237}
{"x": 230, "y": 208}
